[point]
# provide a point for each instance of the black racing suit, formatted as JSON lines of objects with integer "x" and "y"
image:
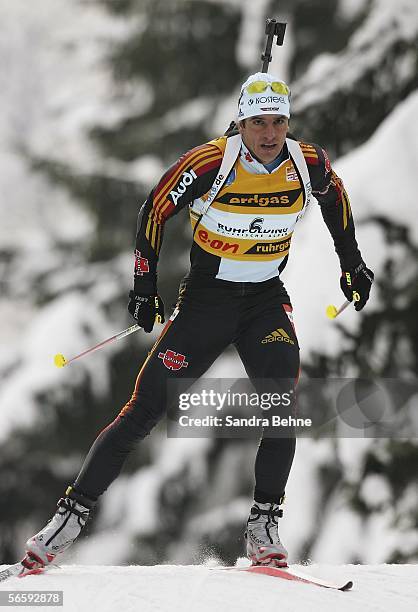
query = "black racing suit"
{"x": 213, "y": 313}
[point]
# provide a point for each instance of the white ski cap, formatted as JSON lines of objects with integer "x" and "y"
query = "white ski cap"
{"x": 271, "y": 96}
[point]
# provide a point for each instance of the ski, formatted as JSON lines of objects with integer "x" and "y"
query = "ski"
{"x": 12, "y": 571}
{"x": 286, "y": 573}
{"x": 290, "y": 573}
{"x": 18, "y": 570}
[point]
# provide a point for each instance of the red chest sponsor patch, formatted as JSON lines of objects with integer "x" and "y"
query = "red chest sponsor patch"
{"x": 173, "y": 360}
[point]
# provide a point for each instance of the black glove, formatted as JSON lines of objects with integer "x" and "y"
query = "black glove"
{"x": 146, "y": 310}
{"x": 356, "y": 284}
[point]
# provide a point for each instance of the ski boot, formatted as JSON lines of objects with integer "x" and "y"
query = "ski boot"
{"x": 60, "y": 532}
{"x": 263, "y": 543}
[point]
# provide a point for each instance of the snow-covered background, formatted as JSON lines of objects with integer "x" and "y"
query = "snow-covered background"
{"x": 86, "y": 129}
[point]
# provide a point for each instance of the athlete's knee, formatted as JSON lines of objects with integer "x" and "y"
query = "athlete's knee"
{"x": 142, "y": 414}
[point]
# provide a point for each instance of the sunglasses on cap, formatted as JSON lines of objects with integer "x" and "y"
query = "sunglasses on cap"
{"x": 261, "y": 86}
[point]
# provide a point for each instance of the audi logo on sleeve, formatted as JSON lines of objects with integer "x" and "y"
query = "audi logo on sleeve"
{"x": 187, "y": 179}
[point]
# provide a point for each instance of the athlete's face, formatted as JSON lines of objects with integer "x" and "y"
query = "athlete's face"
{"x": 264, "y": 135}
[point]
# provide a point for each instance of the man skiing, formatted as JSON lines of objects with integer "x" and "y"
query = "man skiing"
{"x": 242, "y": 219}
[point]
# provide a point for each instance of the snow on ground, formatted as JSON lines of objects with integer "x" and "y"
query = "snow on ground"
{"x": 201, "y": 589}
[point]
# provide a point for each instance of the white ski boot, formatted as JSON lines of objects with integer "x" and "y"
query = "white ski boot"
{"x": 60, "y": 531}
{"x": 263, "y": 543}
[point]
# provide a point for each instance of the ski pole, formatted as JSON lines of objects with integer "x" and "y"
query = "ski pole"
{"x": 332, "y": 311}
{"x": 60, "y": 361}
